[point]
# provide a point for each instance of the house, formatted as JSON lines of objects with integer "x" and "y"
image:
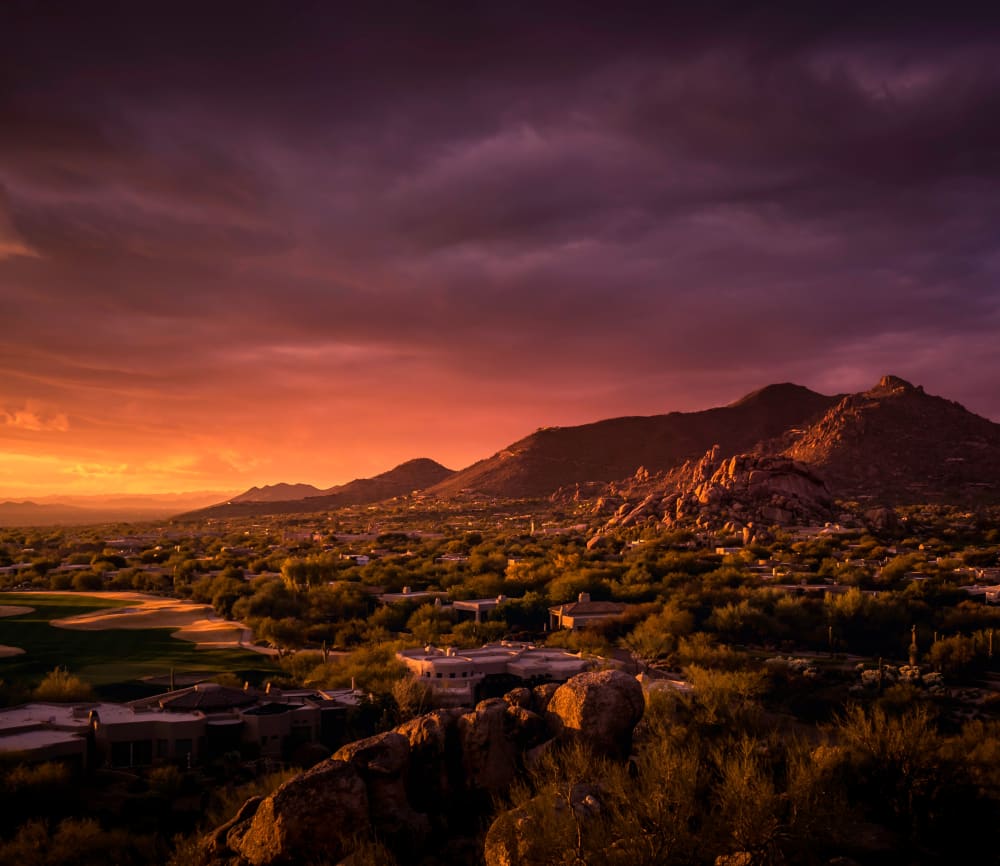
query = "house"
{"x": 408, "y": 594}
{"x": 584, "y": 612}
{"x": 358, "y": 558}
{"x": 457, "y": 677}
{"x": 479, "y": 606}
{"x": 988, "y": 594}
{"x": 187, "y": 725}
{"x": 100, "y": 733}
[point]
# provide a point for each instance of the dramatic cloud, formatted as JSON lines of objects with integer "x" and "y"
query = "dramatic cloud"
{"x": 244, "y": 244}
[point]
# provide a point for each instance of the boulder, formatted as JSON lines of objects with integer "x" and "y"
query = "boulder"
{"x": 542, "y": 694}
{"x": 601, "y": 708}
{"x": 882, "y": 519}
{"x": 542, "y": 830}
{"x": 520, "y": 697}
{"x": 493, "y": 738}
{"x": 382, "y": 762}
{"x": 435, "y": 771}
{"x": 320, "y": 810}
{"x": 225, "y": 839}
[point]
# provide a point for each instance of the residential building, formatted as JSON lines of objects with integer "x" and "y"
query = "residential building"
{"x": 457, "y": 677}
{"x": 187, "y": 726}
{"x": 584, "y": 612}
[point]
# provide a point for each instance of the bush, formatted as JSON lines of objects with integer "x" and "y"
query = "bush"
{"x": 61, "y": 686}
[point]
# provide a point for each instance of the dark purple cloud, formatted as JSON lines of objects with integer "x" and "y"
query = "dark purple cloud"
{"x": 427, "y": 211}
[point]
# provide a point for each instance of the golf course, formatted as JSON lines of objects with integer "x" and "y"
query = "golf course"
{"x": 115, "y": 641}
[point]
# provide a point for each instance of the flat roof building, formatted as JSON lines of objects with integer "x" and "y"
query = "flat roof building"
{"x": 455, "y": 675}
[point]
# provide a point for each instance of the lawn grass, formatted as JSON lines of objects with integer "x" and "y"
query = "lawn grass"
{"x": 112, "y": 661}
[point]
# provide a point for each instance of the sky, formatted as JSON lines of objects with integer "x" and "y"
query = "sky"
{"x": 244, "y": 243}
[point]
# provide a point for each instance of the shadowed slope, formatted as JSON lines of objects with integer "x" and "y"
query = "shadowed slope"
{"x": 613, "y": 449}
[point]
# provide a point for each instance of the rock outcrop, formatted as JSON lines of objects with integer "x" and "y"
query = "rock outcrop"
{"x": 427, "y": 779}
{"x": 733, "y": 492}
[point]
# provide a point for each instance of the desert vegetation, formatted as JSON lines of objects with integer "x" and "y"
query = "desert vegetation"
{"x": 837, "y": 677}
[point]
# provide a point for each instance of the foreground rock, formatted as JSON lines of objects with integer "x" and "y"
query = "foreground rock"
{"x": 382, "y": 762}
{"x": 321, "y": 810}
{"x": 600, "y": 708}
{"x": 430, "y": 779}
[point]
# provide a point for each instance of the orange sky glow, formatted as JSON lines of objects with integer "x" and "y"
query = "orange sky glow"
{"x": 317, "y": 245}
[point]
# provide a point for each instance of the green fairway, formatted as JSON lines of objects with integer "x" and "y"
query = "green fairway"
{"x": 107, "y": 659}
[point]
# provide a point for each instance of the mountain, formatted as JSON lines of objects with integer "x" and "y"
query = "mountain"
{"x": 34, "y": 514}
{"x": 606, "y": 451}
{"x": 401, "y": 480}
{"x": 78, "y": 510}
{"x": 781, "y": 453}
{"x": 895, "y": 444}
{"x": 277, "y": 493}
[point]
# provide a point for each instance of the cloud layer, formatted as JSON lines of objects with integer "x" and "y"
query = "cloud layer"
{"x": 307, "y": 244}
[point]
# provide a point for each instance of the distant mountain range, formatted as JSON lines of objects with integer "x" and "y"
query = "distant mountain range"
{"x": 891, "y": 444}
{"x": 278, "y": 493}
{"x": 417, "y": 474}
{"x": 72, "y": 510}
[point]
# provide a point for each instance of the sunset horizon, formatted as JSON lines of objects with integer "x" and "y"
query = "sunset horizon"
{"x": 73, "y": 480}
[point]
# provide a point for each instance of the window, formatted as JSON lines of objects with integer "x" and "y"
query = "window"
{"x": 121, "y": 754}
{"x": 142, "y": 753}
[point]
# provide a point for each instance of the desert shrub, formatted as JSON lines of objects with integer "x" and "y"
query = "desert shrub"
{"x": 62, "y": 686}
{"x": 703, "y": 650}
{"x": 748, "y": 802}
{"x": 75, "y": 842}
{"x": 894, "y": 759}
{"x": 657, "y": 636}
{"x": 87, "y": 581}
{"x": 412, "y": 697}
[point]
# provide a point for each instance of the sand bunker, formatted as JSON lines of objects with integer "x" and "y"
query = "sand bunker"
{"x": 12, "y": 610}
{"x": 215, "y": 632}
{"x": 155, "y": 613}
{"x": 197, "y": 623}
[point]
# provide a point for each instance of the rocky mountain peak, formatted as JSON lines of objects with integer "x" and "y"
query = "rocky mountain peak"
{"x": 895, "y": 385}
